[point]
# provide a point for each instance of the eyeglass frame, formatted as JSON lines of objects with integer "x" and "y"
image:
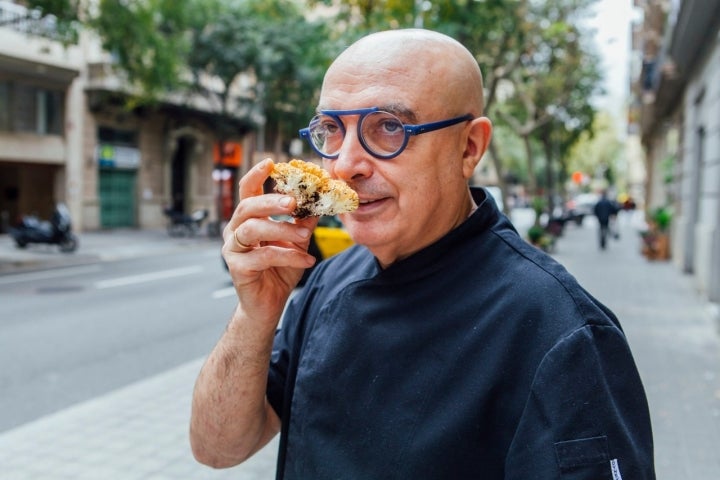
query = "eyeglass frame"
{"x": 409, "y": 130}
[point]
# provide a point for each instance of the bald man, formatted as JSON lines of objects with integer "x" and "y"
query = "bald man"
{"x": 442, "y": 345}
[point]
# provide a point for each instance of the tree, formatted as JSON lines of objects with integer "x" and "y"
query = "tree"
{"x": 596, "y": 151}
{"x": 204, "y": 47}
{"x": 272, "y": 45}
{"x": 149, "y": 40}
{"x": 551, "y": 88}
{"x": 293, "y": 58}
{"x": 530, "y": 44}
{"x": 223, "y": 48}
{"x": 208, "y": 47}
{"x": 65, "y": 10}
{"x": 65, "y": 15}
{"x": 494, "y": 30}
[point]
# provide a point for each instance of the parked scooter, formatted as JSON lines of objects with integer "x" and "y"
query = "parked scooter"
{"x": 181, "y": 224}
{"x": 58, "y": 231}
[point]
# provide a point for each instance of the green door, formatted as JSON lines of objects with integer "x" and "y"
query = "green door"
{"x": 117, "y": 198}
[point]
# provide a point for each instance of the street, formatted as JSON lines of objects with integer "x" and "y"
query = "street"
{"x": 75, "y": 333}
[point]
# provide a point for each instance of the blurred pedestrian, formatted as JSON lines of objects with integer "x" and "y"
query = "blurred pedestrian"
{"x": 442, "y": 345}
{"x": 606, "y": 212}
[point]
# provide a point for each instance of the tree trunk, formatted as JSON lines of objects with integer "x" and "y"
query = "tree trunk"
{"x": 549, "y": 174}
{"x": 532, "y": 180}
{"x": 500, "y": 173}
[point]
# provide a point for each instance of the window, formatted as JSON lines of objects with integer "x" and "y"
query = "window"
{"x": 127, "y": 138}
{"x": 49, "y": 112}
{"x": 4, "y": 106}
{"x": 26, "y": 108}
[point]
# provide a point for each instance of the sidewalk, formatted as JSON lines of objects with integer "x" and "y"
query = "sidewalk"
{"x": 140, "y": 431}
{"x": 137, "y": 432}
{"x": 674, "y": 336}
{"x": 106, "y": 245}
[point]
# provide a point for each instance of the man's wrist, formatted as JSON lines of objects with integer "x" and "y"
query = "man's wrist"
{"x": 248, "y": 341}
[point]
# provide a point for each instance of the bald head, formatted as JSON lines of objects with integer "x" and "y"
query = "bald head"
{"x": 441, "y": 68}
{"x": 423, "y": 78}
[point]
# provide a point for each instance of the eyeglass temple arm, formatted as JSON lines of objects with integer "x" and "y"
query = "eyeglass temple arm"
{"x": 429, "y": 127}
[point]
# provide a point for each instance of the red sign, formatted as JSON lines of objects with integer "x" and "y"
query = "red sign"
{"x": 231, "y": 154}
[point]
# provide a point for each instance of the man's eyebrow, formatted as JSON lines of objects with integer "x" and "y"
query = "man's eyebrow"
{"x": 401, "y": 112}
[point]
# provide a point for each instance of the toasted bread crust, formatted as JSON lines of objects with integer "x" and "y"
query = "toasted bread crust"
{"x": 314, "y": 191}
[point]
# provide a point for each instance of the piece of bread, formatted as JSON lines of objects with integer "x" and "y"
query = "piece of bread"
{"x": 314, "y": 191}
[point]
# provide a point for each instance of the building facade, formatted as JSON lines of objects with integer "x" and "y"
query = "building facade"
{"x": 39, "y": 94}
{"x": 678, "y": 96}
{"x": 66, "y": 135}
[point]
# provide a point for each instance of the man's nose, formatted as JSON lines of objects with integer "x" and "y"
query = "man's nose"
{"x": 353, "y": 160}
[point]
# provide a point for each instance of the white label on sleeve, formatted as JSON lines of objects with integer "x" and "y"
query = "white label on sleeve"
{"x": 615, "y": 469}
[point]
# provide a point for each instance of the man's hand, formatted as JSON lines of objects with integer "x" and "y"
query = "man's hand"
{"x": 265, "y": 257}
{"x": 231, "y": 418}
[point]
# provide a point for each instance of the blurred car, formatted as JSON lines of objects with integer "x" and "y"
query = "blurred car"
{"x": 581, "y": 206}
{"x": 331, "y": 237}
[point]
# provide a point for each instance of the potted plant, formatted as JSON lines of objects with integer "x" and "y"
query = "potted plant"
{"x": 656, "y": 240}
{"x": 537, "y": 234}
{"x": 662, "y": 216}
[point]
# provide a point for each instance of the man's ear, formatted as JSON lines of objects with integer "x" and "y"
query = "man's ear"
{"x": 478, "y": 140}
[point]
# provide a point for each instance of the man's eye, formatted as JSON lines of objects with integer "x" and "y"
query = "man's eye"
{"x": 391, "y": 126}
{"x": 329, "y": 127}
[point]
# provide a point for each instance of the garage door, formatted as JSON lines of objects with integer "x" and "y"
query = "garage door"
{"x": 117, "y": 198}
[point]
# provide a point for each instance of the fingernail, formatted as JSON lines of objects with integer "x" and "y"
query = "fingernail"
{"x": 285, "y": 202}
{"x": 303, "y": 232}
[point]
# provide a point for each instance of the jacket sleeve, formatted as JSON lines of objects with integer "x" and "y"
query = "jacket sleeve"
{"x": 284, "y": 355}
{"x": 586, "y": 417}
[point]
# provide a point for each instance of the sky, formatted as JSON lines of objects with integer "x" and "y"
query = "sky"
{"x": 612, "y": 25}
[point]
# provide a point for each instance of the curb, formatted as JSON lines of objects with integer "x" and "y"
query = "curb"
{"x": 101, "y": 246}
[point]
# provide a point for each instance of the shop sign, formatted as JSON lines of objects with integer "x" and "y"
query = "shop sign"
{"x": 231, "y": 154}
{"x": 116, "y": 156}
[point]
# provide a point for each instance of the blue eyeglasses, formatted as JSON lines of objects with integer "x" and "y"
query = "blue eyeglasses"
{"x": 382, "y": 134}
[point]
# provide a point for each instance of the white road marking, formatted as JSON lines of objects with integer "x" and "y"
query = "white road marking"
{"x": 148, "y": 277}
{"x": 47, "y": 274}
{"x": 223, "y": 292}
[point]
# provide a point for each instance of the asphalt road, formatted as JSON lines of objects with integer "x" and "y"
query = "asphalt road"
{"x": 70, "y": 334}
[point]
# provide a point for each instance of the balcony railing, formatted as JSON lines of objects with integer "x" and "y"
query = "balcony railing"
{"x": 30, "y": 22}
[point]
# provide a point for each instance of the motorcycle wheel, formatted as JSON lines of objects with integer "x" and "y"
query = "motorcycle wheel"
{"x": 21, "y": 243}
{"x": 176, "y": 230}
{"x": 68, "y": 244}
{"x": 214, "y": 230}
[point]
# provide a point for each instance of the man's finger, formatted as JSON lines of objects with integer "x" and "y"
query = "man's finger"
{"x": 251, "y": 184}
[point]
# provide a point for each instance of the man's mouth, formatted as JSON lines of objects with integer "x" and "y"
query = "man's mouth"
{"x": 367, "y": 203}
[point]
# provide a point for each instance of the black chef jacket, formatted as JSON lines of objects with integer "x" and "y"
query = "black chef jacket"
{"x": 478, "y": 357}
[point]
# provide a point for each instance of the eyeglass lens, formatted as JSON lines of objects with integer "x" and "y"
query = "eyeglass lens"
{"x": 381, "y": 132}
